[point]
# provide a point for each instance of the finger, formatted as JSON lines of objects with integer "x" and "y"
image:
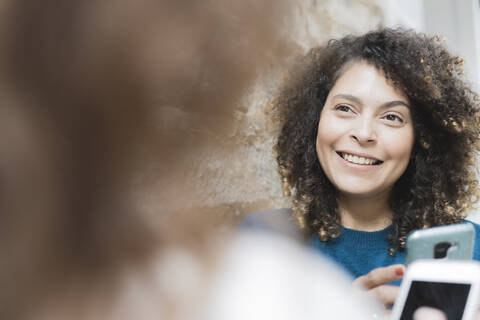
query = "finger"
{"x": 386, "y": 294}
{"x": 380, "y": 276}
{"x": 388, "y": 313}
{"x": 427, "y": 313}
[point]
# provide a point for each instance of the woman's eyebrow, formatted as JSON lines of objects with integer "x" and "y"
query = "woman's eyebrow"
{"x": 395, "y": 103}
{"x": 347, "y": 97}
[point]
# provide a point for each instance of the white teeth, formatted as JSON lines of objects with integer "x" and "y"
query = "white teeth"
{"x": 357, "y": 159}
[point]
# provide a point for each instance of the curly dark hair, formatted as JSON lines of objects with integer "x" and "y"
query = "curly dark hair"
{"x": 440, "y": 182}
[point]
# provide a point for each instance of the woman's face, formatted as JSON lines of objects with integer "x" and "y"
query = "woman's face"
{"x": 365, "y": 134}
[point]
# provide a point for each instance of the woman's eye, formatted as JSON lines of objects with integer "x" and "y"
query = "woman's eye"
{"x": 343, "y": 108}
{"x": 393, "y": 117}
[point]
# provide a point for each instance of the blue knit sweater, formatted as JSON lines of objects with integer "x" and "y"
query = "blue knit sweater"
{"x": 358, "y": 252}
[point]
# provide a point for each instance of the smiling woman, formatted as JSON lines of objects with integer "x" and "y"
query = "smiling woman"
{"x": 394, "y": 100}
{"x": 380, "y": 136}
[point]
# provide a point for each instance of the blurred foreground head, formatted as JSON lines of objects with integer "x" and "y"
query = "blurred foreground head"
{"x": 82, "y": 83}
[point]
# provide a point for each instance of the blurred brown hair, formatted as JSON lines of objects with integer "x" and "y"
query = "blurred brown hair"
{"x": 82, "y": 84}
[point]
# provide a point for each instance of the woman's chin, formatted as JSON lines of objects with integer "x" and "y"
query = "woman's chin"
{"x": 363, "y": 192}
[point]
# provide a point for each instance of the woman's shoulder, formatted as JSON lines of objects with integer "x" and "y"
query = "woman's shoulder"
{"x": 477, "y": 229}
{"x": 476, "y": 248}
{"x": 275, "y": 220}
{"x": 475, "y": 224}
{"x": 256, "y": 265}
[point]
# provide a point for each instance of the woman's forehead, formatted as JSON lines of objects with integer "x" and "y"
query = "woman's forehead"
{"x": 365, "y": 82}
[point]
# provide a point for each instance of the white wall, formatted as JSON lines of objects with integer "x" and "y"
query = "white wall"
{"x": 457, "y": 20}
{"x": 406, "y": 13}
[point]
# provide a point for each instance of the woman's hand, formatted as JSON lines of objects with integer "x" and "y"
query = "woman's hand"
{"x": 375, "y": 282}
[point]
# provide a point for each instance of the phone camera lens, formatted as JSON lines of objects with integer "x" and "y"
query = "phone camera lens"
{"x": 441, "y": 250}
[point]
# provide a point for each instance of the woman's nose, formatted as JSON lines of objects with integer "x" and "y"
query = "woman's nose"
{"x": 364, "y": 131}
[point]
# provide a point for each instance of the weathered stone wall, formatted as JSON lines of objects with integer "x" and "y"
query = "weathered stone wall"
{"x": 238, "y": 170}
{"x": 243, "y": 171}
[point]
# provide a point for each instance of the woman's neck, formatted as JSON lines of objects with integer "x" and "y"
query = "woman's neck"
{"x": 365, "y": 214}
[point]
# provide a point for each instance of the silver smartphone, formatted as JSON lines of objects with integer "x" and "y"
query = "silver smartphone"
{"x": 453, "y": 242}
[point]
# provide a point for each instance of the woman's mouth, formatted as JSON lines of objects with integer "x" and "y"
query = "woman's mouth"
{"x": 358, "y": 159}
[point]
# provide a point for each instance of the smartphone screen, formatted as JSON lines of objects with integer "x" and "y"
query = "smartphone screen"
{"x": 451, "y": 298}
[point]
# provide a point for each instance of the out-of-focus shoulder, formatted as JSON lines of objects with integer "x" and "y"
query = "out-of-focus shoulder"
{"x": 265, "y": 276}
{"x": 274, "y": 220}
{"x": 265, "y": 216}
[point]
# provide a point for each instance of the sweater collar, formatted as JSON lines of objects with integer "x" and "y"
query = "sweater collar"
{"x": 365, "y": 239}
